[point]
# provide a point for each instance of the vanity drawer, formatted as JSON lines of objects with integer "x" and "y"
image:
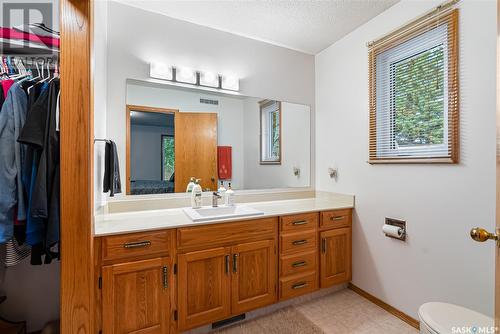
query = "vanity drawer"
{"x": 298, "y": 263}
{"x": 136, "y": 244}
{"x": 297, "y": 242}
{"x": 299, "y": 222}
{"x": 226, "y": 233}
{"x": 337, "y": 218}
{"x": 297, "y": 285}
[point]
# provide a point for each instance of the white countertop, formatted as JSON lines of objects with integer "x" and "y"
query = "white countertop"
{"x": 150, "y": 220}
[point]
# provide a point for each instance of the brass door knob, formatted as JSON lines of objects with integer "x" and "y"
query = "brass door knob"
{"x": 481, "y": 235}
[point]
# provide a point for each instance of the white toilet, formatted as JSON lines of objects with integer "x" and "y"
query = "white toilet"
{"x": 443, "y": 318}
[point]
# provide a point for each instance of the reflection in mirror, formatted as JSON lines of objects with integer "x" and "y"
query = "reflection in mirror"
{"x": 177, "y": 133}
{"x": 270, "y": 132}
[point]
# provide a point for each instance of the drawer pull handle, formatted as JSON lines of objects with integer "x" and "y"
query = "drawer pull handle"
{"x": 337, "y": 218}
{"x": 137, "y": 244}
{"x": 299, "y": 264}
{"x": 299, "y": 285}
{"x": 302, "y": 222}
{"x": 165, "y": 277}
{"x": 299, "y": 242}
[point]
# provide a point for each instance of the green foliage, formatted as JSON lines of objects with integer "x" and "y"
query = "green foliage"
{"x": 168, "y": 150}
{"x": 275, "y": 134}
{"x": 418, "y": 97}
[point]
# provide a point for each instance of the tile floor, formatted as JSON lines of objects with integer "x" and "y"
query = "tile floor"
{"x": 346, "y": 312}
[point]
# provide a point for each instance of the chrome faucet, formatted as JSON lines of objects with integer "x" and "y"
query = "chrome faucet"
{"x": 215, "y": 197}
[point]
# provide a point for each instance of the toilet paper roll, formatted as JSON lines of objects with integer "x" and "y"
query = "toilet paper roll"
{"x": 393, "y": 231}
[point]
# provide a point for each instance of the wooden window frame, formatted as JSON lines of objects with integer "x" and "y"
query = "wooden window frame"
{"x": 418, "y": 27}
{"x": 270, "y": 162}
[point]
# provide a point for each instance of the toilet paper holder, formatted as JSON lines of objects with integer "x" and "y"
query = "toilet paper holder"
{"x": 399, "y": 223}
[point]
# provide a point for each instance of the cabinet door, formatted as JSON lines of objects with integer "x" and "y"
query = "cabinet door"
{"x": 136, "y": 297}
{"x": 254, "y": 269}
{"x": 203, "y": 281}
{"x": 335, "y": 256}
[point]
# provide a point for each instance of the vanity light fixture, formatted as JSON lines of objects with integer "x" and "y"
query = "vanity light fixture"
{"x": 186, "y": 75}
{"x": 230, "y": 83}
{"x": 209, "y": 79}
{"x": 193, "y": 77}
{"x": 161, "y": 71}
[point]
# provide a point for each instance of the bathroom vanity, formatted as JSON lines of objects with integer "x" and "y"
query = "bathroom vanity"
{"x": 160, "y": 272}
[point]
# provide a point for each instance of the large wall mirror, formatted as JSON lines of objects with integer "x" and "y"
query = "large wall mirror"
{"x": 176, "y": 133}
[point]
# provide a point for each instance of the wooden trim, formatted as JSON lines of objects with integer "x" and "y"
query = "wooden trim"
{"x": 265, "y": 162}
{"x": 128, "y": 109}
{"x": 392, "y": 310}
{"x": 412, "y": 30}
{"x": 77, "y": 147}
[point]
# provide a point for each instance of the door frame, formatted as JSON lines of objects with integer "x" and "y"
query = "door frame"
{"x": 128, "y": 109}
{"x": 77, "y": 284}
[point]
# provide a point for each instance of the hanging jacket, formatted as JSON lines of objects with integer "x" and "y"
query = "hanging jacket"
{"x": 12, "y": 117}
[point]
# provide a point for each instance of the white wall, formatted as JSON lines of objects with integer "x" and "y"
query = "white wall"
{"x": 145, "y": 151}
{"x": 296, "y": 145}
{"x": 99, "y": 72}
{"x": 265, "y": 70}
{"x": 441, "y": 203}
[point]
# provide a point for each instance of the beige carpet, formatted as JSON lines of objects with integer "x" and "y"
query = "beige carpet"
{"x": 286, "y": 321}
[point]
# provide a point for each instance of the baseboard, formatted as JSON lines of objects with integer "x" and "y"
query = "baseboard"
{"x": 394, "y": 311}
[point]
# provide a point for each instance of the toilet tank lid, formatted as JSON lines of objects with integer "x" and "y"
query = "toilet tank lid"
{"x": 448, "y": 318}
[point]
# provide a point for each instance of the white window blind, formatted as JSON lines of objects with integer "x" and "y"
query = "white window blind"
{"x": 414, "y": 94}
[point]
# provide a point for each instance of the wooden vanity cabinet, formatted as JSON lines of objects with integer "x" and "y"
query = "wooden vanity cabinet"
{"x": 135, "y": 296}
{"x": 335, "y": 247}
{"x": 137, "y": 282}
{"x": 204, "y": 278}
{"x": 239, "y": 275}
{"x": 173, "y": 280}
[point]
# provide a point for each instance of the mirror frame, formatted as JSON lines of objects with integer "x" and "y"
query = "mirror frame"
{"x": 129, "y": 108}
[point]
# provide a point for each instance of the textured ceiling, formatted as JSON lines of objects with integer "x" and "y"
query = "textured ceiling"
{"x": 305, "y": 25}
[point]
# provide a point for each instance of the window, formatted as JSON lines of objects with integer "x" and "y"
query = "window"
{"x": 414, "y": 93}
{"x": 270, "y": 132}
{"x": 167, "y": 157}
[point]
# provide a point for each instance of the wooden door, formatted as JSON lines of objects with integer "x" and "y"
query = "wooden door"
{"x": 136, "y": 297}
{"x": 254, "y": 268}
{"x": 203, "y": 287}
{"x": 195, "y": 149}
{"x": 335, "y": 262}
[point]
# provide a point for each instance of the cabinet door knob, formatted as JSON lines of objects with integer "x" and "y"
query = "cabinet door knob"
{"x": 227, "y": 263}
{"x": 235, "y": 263}
{"x": 165, "y": 277}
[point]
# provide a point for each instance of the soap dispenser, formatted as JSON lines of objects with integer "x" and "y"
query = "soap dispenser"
{"x": 190, "y": 185}
{"x": 222, "y": 190}
{"x": 229, "y": 196}
{"x": 196, "y": 195}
